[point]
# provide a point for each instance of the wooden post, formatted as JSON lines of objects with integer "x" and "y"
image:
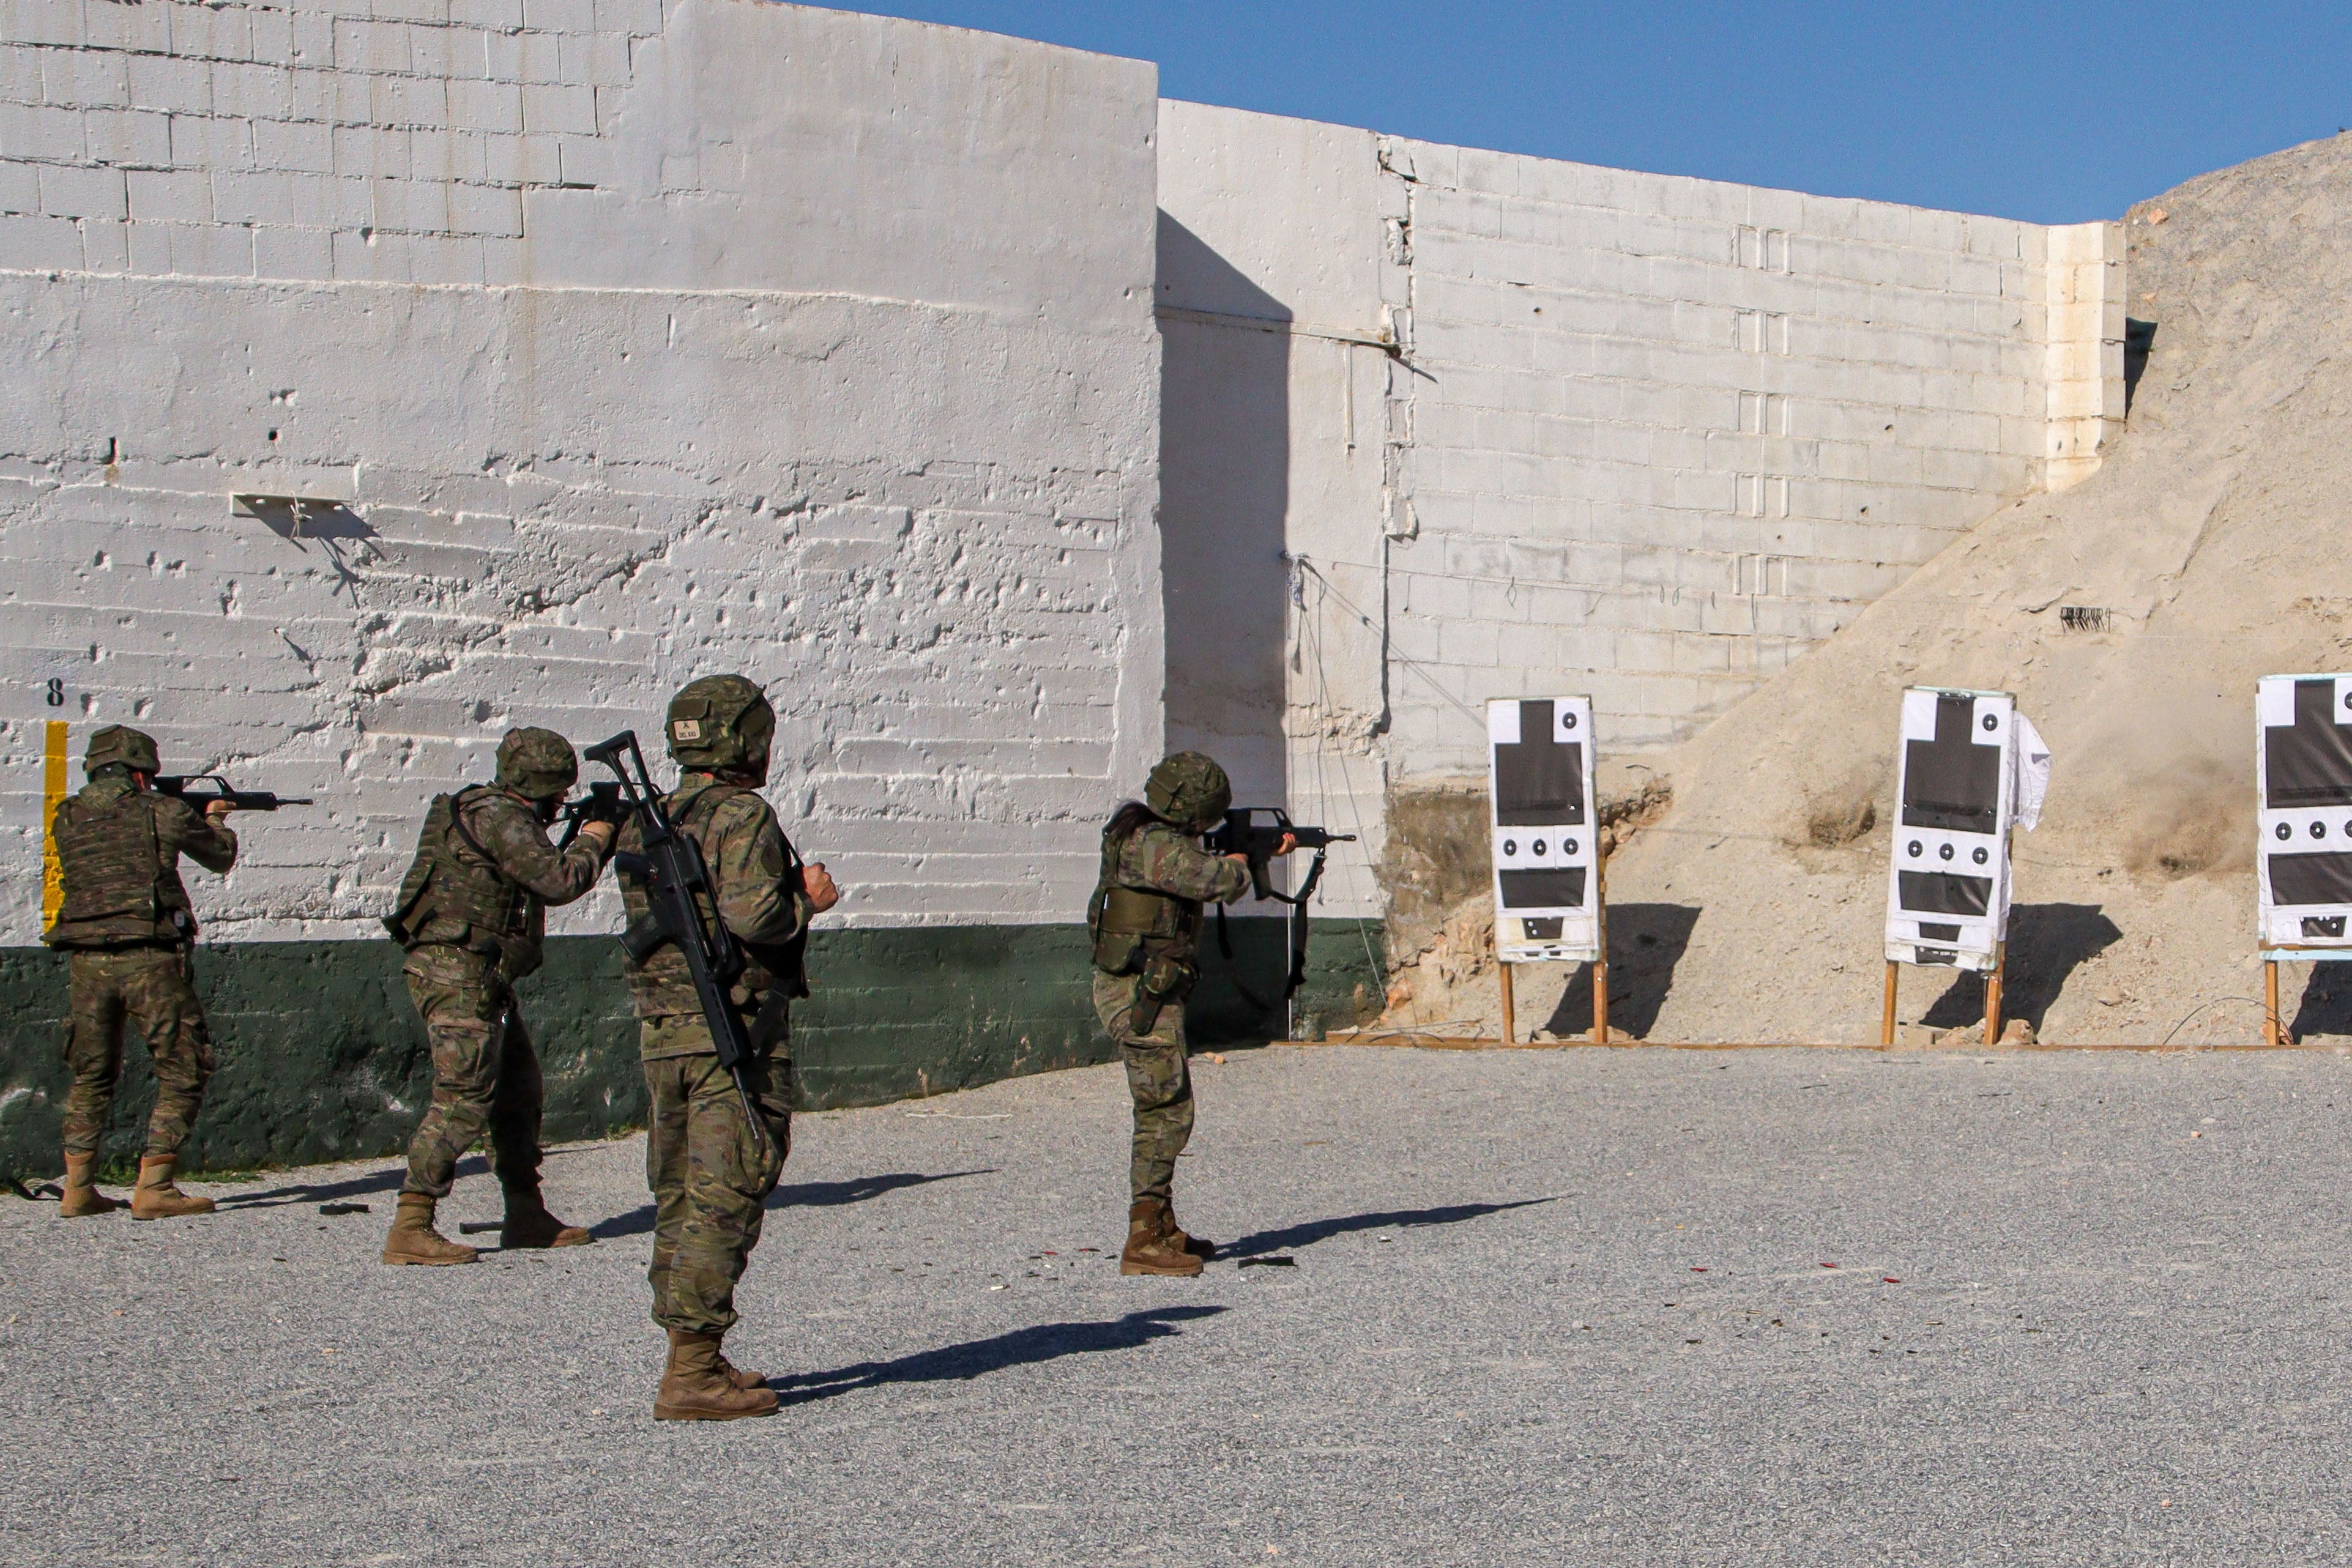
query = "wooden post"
{"x": 1993, "y": 993}
{"x": 1886, "y": 1019}
{"x": 1510, "y": 1025}
{"x": 1601, "y": 964}
{"x": 2272, "y": 1032}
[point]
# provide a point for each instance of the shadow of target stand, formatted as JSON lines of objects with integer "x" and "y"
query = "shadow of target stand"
{"x": 1948, "y": 885}
{"x": 1549, "y": 900}
{"x": 2303, "y": 772}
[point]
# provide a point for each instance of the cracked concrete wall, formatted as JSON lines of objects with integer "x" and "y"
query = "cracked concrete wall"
{"x": 636, "y": 341}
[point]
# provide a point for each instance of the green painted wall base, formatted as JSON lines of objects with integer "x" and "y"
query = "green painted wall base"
{"x": 323, "y": 1057}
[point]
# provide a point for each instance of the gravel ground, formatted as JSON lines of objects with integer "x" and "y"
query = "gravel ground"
{"x": 1589, "y": 1307}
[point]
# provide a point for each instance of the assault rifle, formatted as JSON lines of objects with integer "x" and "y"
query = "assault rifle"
{"x": 1243, "y": 834}
{"x": 182, "y": 786}
{"x": 676, "y": 884}
{"x": 601, "y": 804}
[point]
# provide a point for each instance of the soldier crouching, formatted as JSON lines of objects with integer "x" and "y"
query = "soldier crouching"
{"x": 473, "y": 918}
{"x": 1145, "y": 917}
{"x": 126, "y": 929}
{"x": 709, "y": 1168}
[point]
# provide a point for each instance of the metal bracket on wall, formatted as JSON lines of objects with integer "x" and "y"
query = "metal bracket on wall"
{"x": 301, "y": 516}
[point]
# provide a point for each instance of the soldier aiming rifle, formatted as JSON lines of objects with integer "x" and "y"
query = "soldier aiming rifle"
{"x": 127, "y": 930}
{"x": 472, "y": 914}
{"x": 1145, "y": 919}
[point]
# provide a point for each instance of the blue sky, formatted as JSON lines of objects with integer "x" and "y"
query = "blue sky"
{"x": 2055, "y": 113}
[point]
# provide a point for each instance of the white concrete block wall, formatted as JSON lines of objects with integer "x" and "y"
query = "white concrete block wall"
{"x": 639, "y": 341}
{"x": 1644, "y": 437}
{"x": 1729, "y": 417}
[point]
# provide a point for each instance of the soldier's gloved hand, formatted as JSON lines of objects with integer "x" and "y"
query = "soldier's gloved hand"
{"x": 216, "y": 809}
{"x": 818, "y": 885}
{"x": 599, "y": 835}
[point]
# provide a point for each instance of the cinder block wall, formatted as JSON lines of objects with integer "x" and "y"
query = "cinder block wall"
{"x": 1642, "y": 436}
{"x": 630, "y": 341}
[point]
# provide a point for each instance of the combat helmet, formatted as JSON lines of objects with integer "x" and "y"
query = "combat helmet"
{"x": 134, "y": 749}
{"x": 719, "y": 721}
{"x": 1189, "y": 789}
{"x": 537, "y": 763}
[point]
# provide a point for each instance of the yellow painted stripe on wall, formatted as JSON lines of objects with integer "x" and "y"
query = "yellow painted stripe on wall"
{"x": 53, "y": 790}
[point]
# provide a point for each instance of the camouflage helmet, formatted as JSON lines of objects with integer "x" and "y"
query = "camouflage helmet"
{"x": 133, "y": 748}
{"x": 1189, "y": 789}
{"x": 537, "y": 763}
{"x": 719, "y": 721}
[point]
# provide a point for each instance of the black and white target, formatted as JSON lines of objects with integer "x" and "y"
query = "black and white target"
{"x": 1947, "y": 887}
{"x": 1546, "y": 881}
{"x": 2303, "y": 769}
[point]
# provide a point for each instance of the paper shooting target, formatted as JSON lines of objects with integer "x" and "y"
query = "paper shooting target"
{"x": 1547, "y": 884}
{"x": 2302, "y": 770}
{"x": 1947, "y": 886}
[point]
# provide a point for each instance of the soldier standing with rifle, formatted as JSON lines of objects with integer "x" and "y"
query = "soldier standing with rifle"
{"x": 719, "y": 906}
{"x": 1145, "y": 917}
{"x": 126, "y": 929}
{"x": 473, "y": 916}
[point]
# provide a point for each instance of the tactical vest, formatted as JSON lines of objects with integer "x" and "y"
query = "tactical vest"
{"x": 1133, "y": 926}
{"x": 662, "y": 984}
{"x": 122, "y": 887}
{"x": 455, "y": 893}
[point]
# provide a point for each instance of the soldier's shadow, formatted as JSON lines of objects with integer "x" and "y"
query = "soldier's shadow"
{"x": 639, "y": 1221}
{"x": 1259, "y": 1243}
{"x": 977, "y": 1358}
{"x": 355, "y": 1186}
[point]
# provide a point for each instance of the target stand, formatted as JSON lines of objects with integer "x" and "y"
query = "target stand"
{"x": 1549, "y": 901}
{"x": 1947, "y": 878}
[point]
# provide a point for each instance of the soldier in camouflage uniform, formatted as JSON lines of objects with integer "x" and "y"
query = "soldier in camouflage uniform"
{"x": 473, "y": 916}
{"x": 1145, "y": 917}
{"x": 126, "y": 929}
{"x": 710, "y": 1171}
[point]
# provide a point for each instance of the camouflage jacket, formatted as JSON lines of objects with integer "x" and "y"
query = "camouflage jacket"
{"x": 756, "y": 877}
{"x": 1149, "y": 899}
{"x": 118, "y": 848}
{"x": 484, "y": 877}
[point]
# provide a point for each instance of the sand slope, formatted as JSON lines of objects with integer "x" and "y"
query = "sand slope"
{"x": 2214, "y": 537}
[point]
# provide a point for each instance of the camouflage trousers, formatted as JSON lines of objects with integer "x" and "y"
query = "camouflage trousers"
{"x": 483, "y": 1077}
{"x": 153, "y": 989}
{"x": 710, "y": 1176}
{"x": 1157, "y": 1078}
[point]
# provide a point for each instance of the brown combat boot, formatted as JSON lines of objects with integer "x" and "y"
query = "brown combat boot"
{"x": 1198, "y": 1246}
{"x": 528, "y": 1223}
{"x": 1150, "y": 1249}
{"x": 156, "y": 1198}
{"x": 699, "y": 1385}
{"x": 414, "y": 1240}
{"x": 81, "y": 1194}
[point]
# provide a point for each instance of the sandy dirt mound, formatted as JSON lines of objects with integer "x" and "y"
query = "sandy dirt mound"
{"x": 2212, "y": 549}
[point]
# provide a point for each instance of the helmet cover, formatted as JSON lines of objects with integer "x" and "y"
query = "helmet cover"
{"x": 136, "y": 749}
{"x": 719, "y": 721}
{"x": 537, "y": 763}
{"x": 1189, "y": 789}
